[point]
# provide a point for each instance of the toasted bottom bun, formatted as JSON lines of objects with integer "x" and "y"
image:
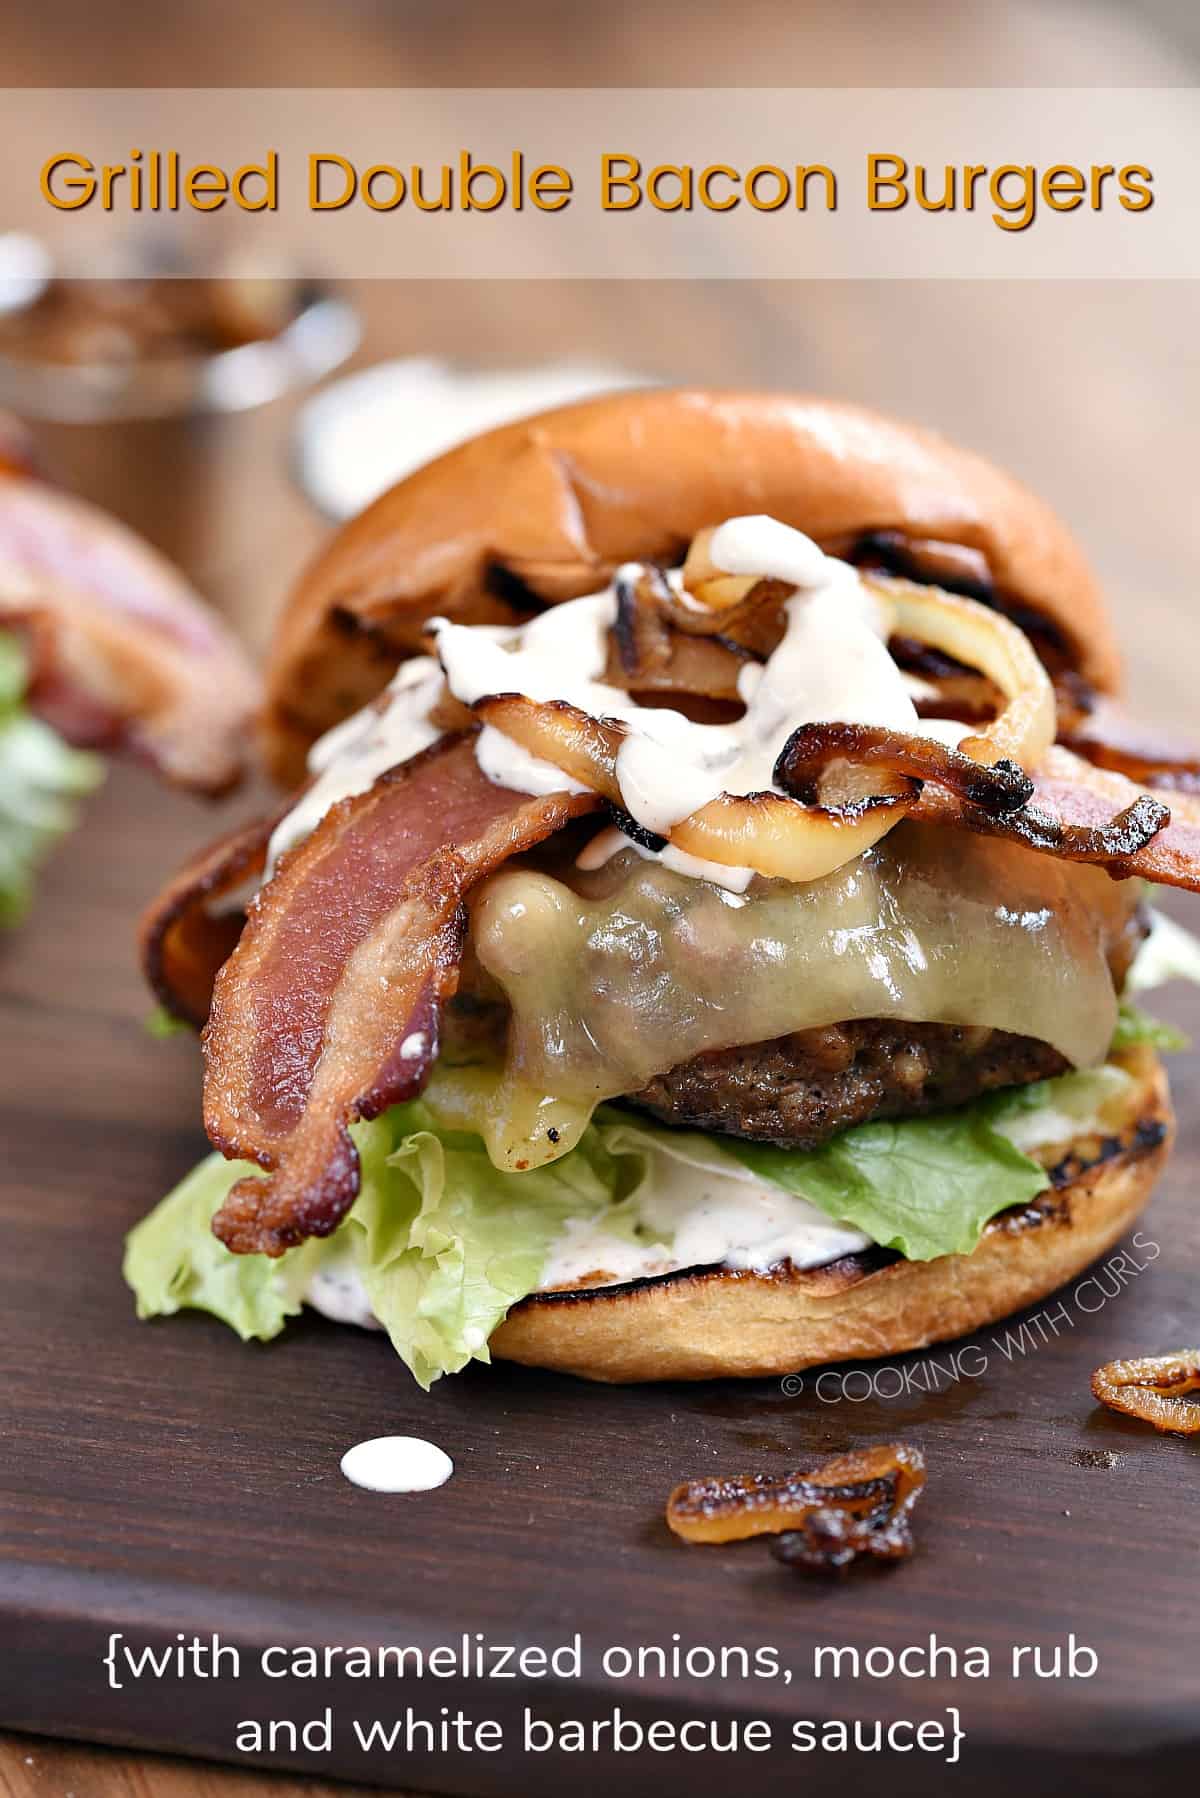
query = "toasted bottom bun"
{"x": 704, "y": 1323}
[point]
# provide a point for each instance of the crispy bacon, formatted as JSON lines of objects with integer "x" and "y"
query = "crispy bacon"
{"x": 1083, "y": 813}
{"x": 1069, "y": 808}
{"x": 328, "y": 1009}
{"x": 187, "y": 933}
{"x": 1107, "y": 736}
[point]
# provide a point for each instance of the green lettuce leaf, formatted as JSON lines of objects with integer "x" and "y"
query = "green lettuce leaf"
{"x": 1137, "y": 1026}
{"x": 162, "y": 1024}
{"x": 925, "y": 1186}
{"x": 928, "y": 1186}
{"x": 173, "y": 1261}
{"x": 444, "y": 1243}
{"x": 40, "y": 780}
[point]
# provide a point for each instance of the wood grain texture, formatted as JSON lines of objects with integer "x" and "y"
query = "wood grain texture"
{"x": 31, "y": 1767}
{"x": 166, "y": 1477}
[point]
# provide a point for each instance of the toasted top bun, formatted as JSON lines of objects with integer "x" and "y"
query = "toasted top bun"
{"x": 546, "y": 509}
{"x": 710, "y": 1323}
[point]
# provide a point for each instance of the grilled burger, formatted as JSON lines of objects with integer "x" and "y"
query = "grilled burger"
{"x": 699, "y": 937}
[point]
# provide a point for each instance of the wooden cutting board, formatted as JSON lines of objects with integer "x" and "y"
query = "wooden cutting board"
{"x": 163, "y": 1479}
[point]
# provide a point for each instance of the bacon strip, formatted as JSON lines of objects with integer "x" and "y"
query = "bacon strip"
{"x": 124, "y": 655}
{"x": 186, "y": 934}
{"x": 1107, "y": 736}
{"x": 1082, "y": 813}
{"x": 328, "y": 1009}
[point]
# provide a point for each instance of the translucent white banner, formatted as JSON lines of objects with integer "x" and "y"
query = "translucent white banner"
{"x": 485, "y": 184}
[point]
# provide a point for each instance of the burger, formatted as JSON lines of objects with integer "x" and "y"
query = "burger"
{"x": 103, "y": 646}
{"x": 699, "y": 935}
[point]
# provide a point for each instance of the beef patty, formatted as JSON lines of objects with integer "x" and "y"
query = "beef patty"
{"x": 800, "y": 1090}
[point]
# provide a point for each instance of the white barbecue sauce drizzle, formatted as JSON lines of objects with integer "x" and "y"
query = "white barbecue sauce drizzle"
{"x": 832, "y": 664}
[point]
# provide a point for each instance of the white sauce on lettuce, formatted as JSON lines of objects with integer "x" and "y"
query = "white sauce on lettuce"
{"x": 832, "y": 665}
{"x": 702, "y": 1212}
{"x": 698, "y": 1207}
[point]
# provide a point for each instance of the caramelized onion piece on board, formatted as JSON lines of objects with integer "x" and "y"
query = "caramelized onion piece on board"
{"x": 1152, "y": 1388}
{"x": 824, "y": 1517}
{"x": 811, "y": 751}
{"x": 329, "y": 1008}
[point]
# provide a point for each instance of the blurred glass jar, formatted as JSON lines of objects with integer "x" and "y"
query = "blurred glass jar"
{"x": 144, "y": 392}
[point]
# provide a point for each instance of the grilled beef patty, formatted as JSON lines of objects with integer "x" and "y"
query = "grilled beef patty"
{"x": 800, "y": 1090}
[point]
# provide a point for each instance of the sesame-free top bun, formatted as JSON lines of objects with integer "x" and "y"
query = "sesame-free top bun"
{"x": 544, "y": 510}
{"x": 710, "y": 1324}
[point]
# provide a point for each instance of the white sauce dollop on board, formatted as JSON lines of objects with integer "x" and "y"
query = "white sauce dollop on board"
{"x": 397, "y": 1464}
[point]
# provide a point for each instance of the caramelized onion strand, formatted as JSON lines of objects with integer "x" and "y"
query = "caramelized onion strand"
{"x": 811, "y": 749}
{"x": 1152, "y": 1388}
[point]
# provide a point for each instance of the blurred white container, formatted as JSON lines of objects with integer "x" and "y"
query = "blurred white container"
{"x": 361, "y": 434}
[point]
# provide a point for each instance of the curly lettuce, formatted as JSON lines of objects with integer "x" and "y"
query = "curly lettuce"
{"x": 443, "y": 1242}
{"x": 41, "y": 778}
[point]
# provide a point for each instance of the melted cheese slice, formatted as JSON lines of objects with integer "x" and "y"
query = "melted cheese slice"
{"x": 633, "y": 968}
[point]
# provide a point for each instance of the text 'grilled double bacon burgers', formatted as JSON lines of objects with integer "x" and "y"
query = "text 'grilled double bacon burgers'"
{"x": 696, "y": 940}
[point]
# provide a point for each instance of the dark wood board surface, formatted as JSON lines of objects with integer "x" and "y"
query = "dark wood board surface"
{"x": 166, "y": 1478}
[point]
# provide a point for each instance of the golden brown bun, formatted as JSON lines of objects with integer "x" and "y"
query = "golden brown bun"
{"x": 557, "y": 501}
{"x": 718, "y": 1325}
